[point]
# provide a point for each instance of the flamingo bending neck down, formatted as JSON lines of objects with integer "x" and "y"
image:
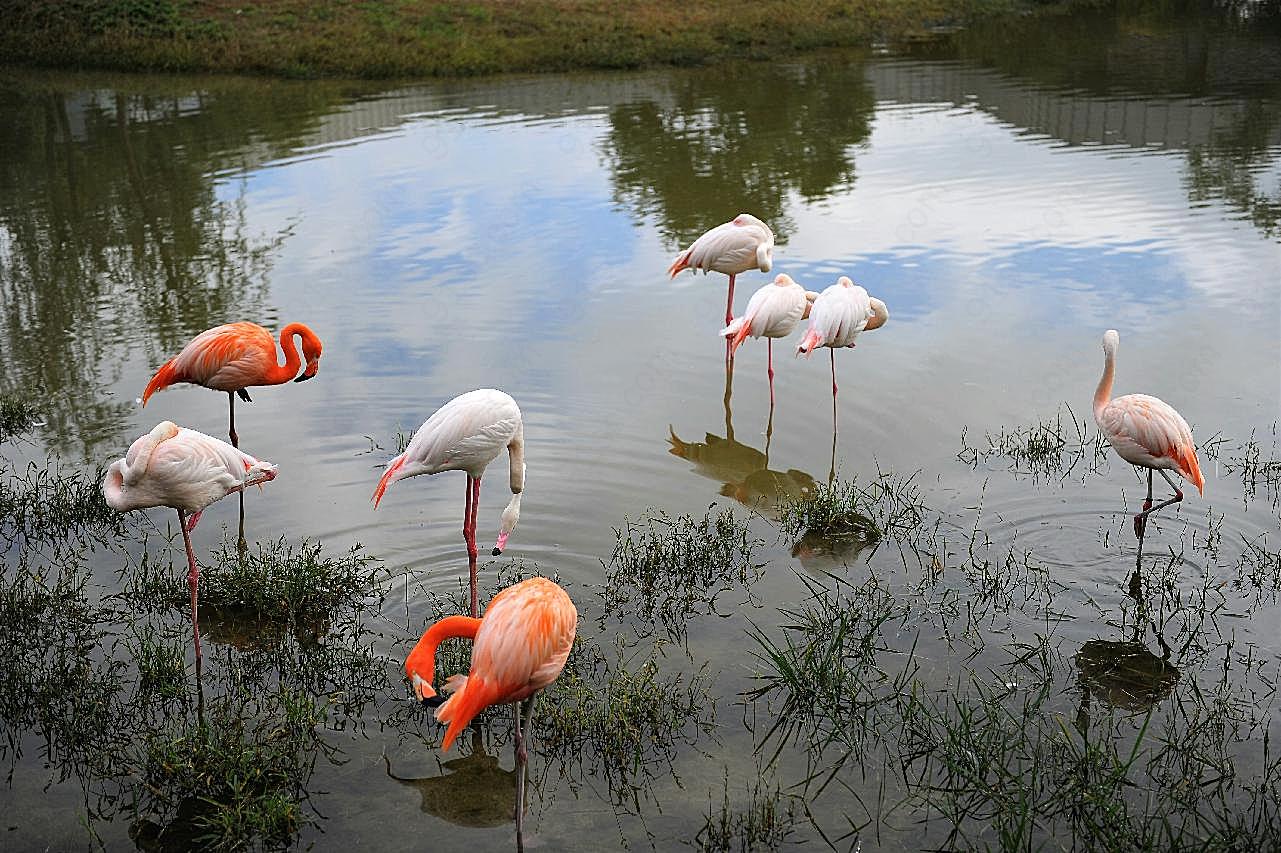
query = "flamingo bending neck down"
{"x": 520, "y": 647}
{"x": 1147, "y": 432}
{"x": 234, "y": 357}
{"x": 744, "y": 243}
{"x": 186, "y": 471}
{"x": 466, "y": 434}
{"x": 838, "y": 316}
{"x": 772, "y": 312}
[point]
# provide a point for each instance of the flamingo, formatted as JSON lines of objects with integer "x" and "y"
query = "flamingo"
{"x": 466, "y": 434}
{"x": 837, "y": 317}
{"x": 235, "y": 356}
{"x": 1147, "y": 432}
{"x": 520, "y": 647}
{"x": 734, "y": 247}
{"x": 772, "y": 312}
{"x": 186, "y": 471}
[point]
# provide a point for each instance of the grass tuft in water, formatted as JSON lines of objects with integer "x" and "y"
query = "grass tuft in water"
{"x": 1049, "y": 449}
{"x": 52, "y": 504}
{"x": 888, "y": 506}
{"x": 16, "y": 416}
{"x": 666, "y": 570}
{"x": 765, "y": 824}
{"x": 276, "y": 581}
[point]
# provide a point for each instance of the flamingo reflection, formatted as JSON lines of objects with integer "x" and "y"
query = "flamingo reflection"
{"x": 473, "y": 792}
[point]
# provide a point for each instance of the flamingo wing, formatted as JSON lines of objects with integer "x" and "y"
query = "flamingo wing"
{"x": 228, "y": 357}
{"x": 1147, "y": 431}
{"x": 465, "y": 434}
{"x": 734, "y": 247}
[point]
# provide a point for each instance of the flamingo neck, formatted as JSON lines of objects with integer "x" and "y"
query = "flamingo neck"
{"x": 287, "y": 371}
{"x": 420, "y": 666}
{"x": 1104, "y": 392}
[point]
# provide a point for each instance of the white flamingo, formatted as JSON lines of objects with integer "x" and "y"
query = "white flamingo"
{"x": 466, "y": 434}
{"x": 772, "y": 312}
{"x": 186, "y": 471}
{"x": 837, "y": 317}
{"x": 744, "y": 243}
{"x": 1145, "y": 431}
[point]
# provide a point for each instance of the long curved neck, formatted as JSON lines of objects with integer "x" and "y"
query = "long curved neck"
{"x": 421, "y": 663}
{"x": 286, "y": 372}
{"x": 1104, "y": 392}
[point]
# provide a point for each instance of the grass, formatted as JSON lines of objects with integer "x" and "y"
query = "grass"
{"x": 17, "y": 416}
{"x": 393, "y": 38}
{"x": 888, "y": 506}
{"x": 766, "y": 823}
{"x": 53, "y": 504}
{"x": 1045, "y": 450}
{"x": 275, "y": 582}
{"x": 664, "y": 571}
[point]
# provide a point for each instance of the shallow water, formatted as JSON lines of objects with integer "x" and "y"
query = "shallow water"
{"x": 1010, "y": 193}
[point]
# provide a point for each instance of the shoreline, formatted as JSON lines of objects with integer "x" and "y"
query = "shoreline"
{"x": 383, "y": 39}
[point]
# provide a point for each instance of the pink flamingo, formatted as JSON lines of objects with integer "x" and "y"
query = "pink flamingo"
{"x": 772, "y": 312}
{"x": 1147, "y": 432}
{"x": 186, "y": 471}
{"x": 235, "y": 356}
{"x": 837, "y": 317}
{"x": 742, "y": 244}
{"x": 466, "y": 434}
{"x": 520, "y": 647}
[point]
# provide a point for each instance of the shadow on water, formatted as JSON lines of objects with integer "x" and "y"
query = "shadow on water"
{"x": 750, "y": 146}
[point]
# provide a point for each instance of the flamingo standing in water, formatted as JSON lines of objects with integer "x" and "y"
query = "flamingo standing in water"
{"x": 1147, "y": 432}
{"x": 744, "y": 243}
{"x": 235, "y": 356}
{"x": 466, "y": 434}
{"x": 837, "y": 317}
{"x": 187, "y": 471}
{"x": 772, "y": 312}
{"x": 519, "y": 648}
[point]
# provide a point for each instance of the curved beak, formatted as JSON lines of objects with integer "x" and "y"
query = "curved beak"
{"x": 312, "y": 367}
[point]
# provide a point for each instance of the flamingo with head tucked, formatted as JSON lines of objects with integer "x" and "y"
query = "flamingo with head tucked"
{"x": 744, "y": 243}
{"x": 520, "y": 647}
{"x": 466, "y": 434}
{"x": 1147, "y": 432}
{"x": 186, "y": 471}
{"x": 839, "y": 315}
{"x": 772, "y": 312}
{"x": 236, "y": 356}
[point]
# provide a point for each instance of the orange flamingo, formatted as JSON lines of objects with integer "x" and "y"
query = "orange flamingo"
{"x": 235, "y": 356}
{"x": 1145, "y": 431}
{"x": 520, "y": 647}
{"x": 186, "y": 471}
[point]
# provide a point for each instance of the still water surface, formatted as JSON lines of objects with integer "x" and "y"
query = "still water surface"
{"x": 1010, "y": 194}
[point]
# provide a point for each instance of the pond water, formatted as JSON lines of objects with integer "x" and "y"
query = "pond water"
{"x": 1010, "y": 192}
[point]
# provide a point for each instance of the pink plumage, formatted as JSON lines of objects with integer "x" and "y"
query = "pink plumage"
{"x": 744, "y": 243}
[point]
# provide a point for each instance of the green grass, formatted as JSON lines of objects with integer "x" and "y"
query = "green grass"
{"x": 17, "y": 416}
{"x": 391, "y": 38}
{"x": 664, "y": 571}
{"x": 54, "y": 504}
{"x": 1045, "y": 450}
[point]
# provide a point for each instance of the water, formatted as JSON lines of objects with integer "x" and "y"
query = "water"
{"x": 1009, "y": 192}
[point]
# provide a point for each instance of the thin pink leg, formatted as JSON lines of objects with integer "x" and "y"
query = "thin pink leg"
{"x": 193, "y": 580}
{"x": 769, "y": 343}
{"x": 729, "y": 303}
{"x": 472, "y": 551}
{"x": 833, "y": 354}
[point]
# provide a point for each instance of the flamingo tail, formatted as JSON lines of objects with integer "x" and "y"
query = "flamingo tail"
{"x": 167, "y": 375}
{"x": 681, "y": 263}
{"x": 1190, "y": 467}
{"x": 471, "y": 696}
{"x": 388, "y": 478}
{"x": 737, "y": 332}
{"x": 812, "y": 339}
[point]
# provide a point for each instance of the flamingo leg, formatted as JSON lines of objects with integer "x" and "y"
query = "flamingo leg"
{"x": 469, "y": 536}
{"x": 832, "y": 351}
{"x": 231, "y": 409}
{"x": 769, "y": 370}
{"x": 729, "y": 303}
{"x": 1140, "y": 520}
{"x": 193, "y": 581}
{"x": 522, "y": 763}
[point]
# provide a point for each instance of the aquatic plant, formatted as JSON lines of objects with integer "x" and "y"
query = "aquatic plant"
{"x": 17, "y": 415}
{"x": 889, "y": 505}
{"x": 51, "y": 504}
{"x": 766, "y": 823}
{"x": 1046, "y": 449}
{"x": 664, "y": 571}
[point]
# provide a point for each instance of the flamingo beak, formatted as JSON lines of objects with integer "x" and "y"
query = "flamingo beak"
{"x": 500, "y": 544}
{"x": 312, "y": 367}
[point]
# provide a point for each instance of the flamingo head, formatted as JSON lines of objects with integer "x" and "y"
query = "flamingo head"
{"x": 1111, "y": 340}
{"x": 511, "y": 515}
{"x": 879, "y": 315}
{"x": 810, "y": 296}
{"x": 311, "y": 349}
{"x": 765, "y": 256}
